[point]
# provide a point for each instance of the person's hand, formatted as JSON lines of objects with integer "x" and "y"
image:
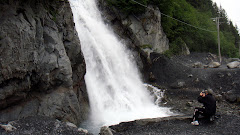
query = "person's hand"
{"x": 201, "y": 94}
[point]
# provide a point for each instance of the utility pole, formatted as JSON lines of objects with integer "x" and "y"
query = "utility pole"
{"x": 219, "y": 46}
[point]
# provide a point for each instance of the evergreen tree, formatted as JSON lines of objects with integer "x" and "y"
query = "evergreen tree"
{"x": 197, "y": 13}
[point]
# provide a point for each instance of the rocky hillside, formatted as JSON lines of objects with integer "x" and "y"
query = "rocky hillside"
{"x": 41, "y": 64}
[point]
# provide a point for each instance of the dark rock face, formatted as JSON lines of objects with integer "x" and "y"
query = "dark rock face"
{"x": 41, "y": 64}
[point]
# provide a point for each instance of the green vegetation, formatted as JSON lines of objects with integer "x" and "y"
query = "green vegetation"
{"x": 145, "y": 46}
{"x": 194, "y": 12}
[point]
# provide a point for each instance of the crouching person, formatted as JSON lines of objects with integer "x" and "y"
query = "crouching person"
{"x": 209, "y": 107}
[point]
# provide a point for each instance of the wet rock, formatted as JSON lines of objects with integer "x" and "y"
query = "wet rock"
{"x": 105, "y": 131}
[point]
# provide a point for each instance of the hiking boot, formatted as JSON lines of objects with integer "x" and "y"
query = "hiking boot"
{"x": 195, "y": 123}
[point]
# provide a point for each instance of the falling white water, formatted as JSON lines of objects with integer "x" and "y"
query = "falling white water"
{"x": 115, "y": 90}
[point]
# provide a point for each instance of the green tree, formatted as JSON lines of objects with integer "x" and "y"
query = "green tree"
{"x": 192, "y": 25}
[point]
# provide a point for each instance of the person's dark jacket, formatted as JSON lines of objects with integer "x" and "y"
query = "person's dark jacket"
{"x": 209, "y": 104}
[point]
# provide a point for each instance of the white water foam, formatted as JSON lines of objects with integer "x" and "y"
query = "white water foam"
{"x": 116, "y": 92}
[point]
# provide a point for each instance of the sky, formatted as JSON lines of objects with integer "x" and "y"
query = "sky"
{"x": 232, "y": 7}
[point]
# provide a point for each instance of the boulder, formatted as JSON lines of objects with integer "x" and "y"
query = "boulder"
{"x": 185, "y": 49}
{"x": 218, "y": 97}
{"x": 105, "y": 131}
{"x": 197, "y": 65}
{"x": 234, "y": 64}
{"x": 148, "y": 30}
{"x": 178, "y": 85}
{"x": 214, "y": 64}
{"x": 232, "y": 96}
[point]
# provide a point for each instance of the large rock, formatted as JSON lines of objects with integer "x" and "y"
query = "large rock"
{"x": 144, "y": 30}
{"x": 214, "y": 64}
{"x": 232, "y": 96}
{"x": 148, "y": 30}
{"x": 39, "y": 53}
{"x": 233, "y": 64}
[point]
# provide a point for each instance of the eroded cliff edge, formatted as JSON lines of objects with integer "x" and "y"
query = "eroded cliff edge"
{"x": 41, "y": 64}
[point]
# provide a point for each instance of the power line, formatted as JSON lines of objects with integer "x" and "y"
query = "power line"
{"x": 175, "y": 18}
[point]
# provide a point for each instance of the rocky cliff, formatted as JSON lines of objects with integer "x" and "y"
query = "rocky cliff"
{"x": 41, "y": 64}
{"x": 142, "y": 33}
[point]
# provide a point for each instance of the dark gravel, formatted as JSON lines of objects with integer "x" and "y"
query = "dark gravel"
{"x": 41, "y": 125}
{"x": 225, "y": 125}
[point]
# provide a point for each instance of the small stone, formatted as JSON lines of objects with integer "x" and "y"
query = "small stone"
{"x": 189, "y": 104}
{"x": 218, "y": 97}
{"x": 8, "y": 127}
{"x": 197, "y": 65}
{"x": 197, "y": 80}
{"x": 83, "y": 130}
{"x": 71, "y": 124}
{"x": 152, "y": 78}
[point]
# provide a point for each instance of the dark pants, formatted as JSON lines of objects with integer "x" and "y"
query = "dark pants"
{"x": 199, "y": 111}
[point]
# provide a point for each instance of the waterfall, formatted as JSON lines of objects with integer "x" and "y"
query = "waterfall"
{"x": 115, "y": 90}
